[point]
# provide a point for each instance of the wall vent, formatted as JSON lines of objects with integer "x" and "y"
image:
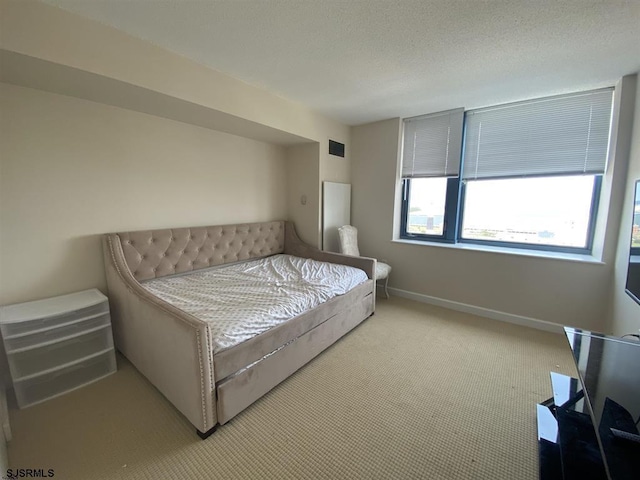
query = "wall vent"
{"x": 336, "y": 148}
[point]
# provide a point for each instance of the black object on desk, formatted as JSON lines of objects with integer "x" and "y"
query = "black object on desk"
{"x": 589, "y": 413}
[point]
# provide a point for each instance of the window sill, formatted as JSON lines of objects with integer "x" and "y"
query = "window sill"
{"x": 570, "y": 257}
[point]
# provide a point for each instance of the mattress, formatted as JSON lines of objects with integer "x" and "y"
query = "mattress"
{"x": 242, "y": 300}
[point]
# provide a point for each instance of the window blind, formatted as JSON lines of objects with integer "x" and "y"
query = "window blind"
{"x": 568, "y": 134}
{"x": 432, "y": 145}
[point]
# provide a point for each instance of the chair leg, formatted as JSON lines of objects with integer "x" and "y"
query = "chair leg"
{"x": 386, "y": 283}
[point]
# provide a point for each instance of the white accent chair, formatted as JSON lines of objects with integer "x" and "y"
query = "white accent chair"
{"x": 349, "y": 246}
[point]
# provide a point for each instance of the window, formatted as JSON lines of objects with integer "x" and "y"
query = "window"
{"x": 529, "y": 176}
{"x": 554, "y": 211}
{"x": 427, "y": 201}
{"x": 430, "y": 170}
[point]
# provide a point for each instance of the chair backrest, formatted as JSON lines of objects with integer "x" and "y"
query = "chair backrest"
{"x": 349, "y": 240}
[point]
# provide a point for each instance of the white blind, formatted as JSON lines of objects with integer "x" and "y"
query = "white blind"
{"x": 567, "y": 134}
{"x": 432, "y": 145}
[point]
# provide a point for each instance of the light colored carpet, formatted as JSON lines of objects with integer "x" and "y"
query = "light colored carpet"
{"x": 415, "y": 392}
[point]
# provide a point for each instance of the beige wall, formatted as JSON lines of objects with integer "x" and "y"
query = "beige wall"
{"x": 303, "y": 176}
{"x": 308, "y": 166}
{"x": 558, "y": 291}
{"x": 625, "y": 313}
{"x": 335, "y": 169}
{"x": 73, "y": 169}
{"x": 53, "y": 50}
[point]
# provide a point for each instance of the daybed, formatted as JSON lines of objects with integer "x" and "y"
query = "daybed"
{"x": 178, "y": 352}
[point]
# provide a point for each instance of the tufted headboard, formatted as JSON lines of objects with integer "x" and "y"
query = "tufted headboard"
{"x": 157, "y": 253}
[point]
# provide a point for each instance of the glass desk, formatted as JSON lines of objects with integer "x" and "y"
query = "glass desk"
{"x": 580, "y": 429}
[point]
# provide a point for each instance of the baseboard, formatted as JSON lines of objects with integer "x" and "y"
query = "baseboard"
{"x": 480, "y": 311}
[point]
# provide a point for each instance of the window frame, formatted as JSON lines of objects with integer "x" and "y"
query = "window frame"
{"x": 450, "y": 227}
{"x": 454, "y": 215}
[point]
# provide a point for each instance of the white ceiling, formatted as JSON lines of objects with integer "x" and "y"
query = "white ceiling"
{"x": 362, "y": 61}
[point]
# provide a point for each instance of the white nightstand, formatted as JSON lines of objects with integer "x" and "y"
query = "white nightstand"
{"x": 57, "y": 344}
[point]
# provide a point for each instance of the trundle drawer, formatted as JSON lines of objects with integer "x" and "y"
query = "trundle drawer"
{"x": 52, "y": 384}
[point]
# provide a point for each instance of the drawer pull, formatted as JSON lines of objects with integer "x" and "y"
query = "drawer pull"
{"x": 69, "y": 370}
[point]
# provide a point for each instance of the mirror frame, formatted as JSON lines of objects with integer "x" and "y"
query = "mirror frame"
{"x": 634, "y": 251}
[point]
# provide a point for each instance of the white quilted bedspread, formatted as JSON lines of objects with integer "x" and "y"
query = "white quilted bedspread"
{"x": 242, "y": 300}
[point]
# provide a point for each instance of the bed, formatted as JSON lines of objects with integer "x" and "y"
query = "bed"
{"x": 215, "y": 317}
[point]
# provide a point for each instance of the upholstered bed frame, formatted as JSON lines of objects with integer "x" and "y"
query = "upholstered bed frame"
{"x": 173, "y": 349}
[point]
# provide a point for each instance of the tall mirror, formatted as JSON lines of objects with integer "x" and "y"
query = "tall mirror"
{"x": 633, "y": 273}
